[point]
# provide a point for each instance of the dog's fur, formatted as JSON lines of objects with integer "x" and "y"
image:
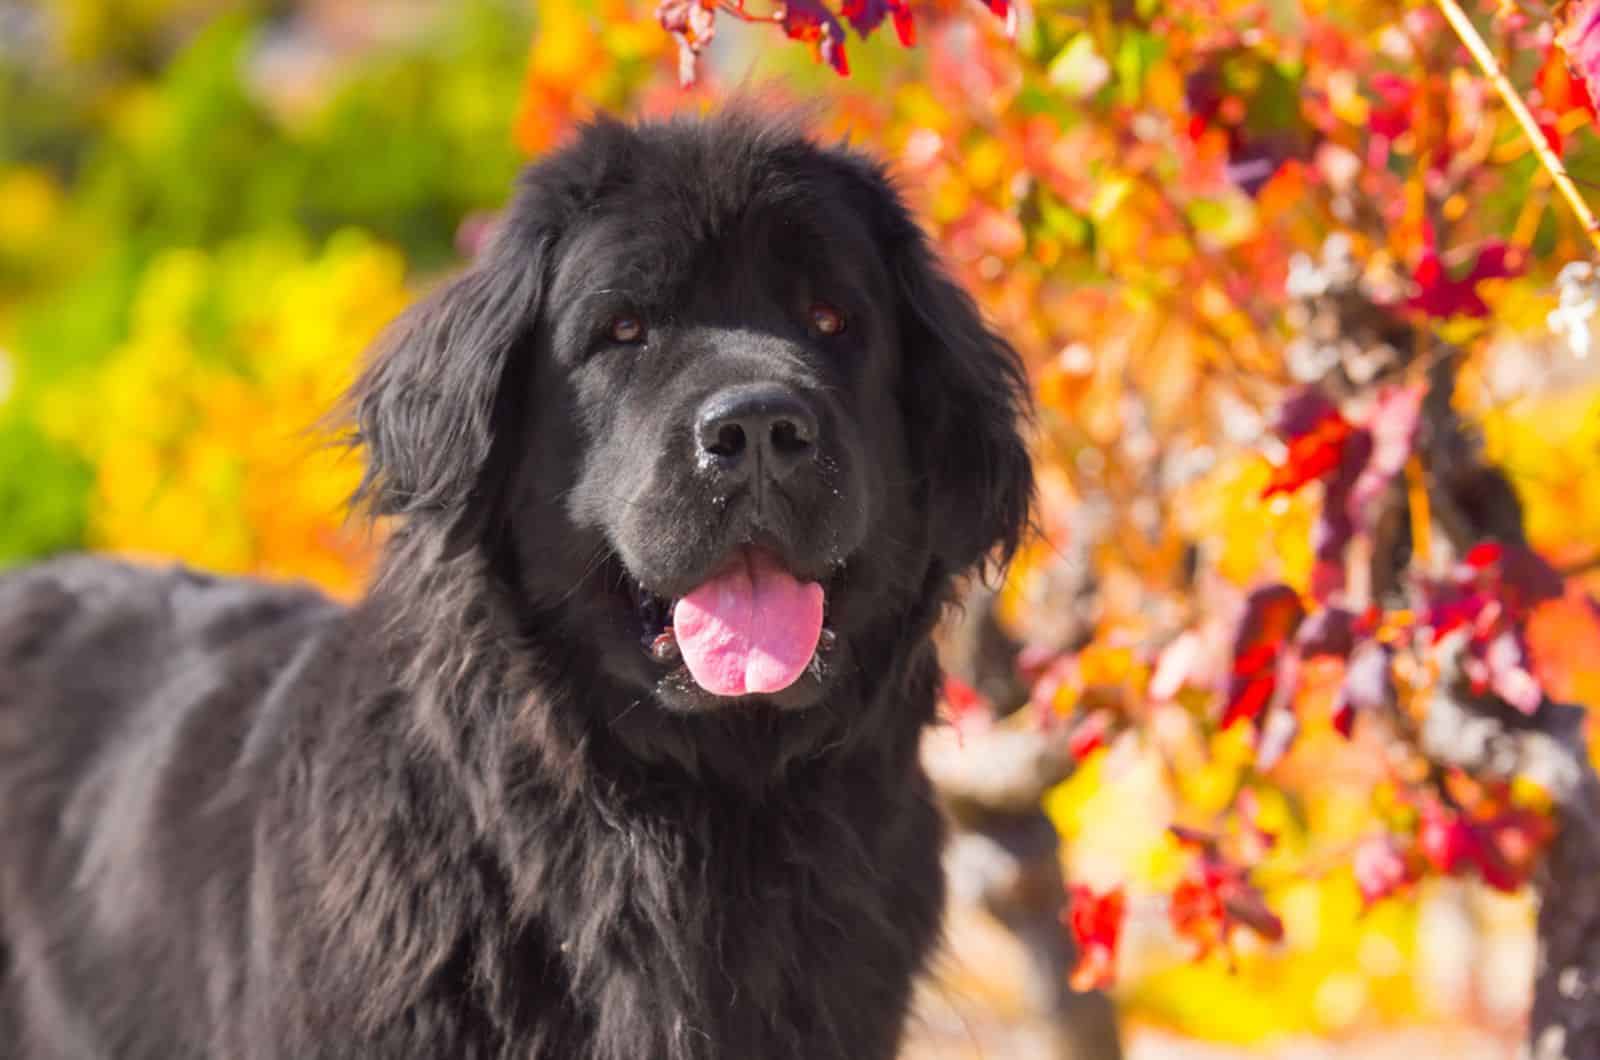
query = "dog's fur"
{"x": 470, "y": 817}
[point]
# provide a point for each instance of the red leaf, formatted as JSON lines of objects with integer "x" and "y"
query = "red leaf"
{"x": 965, "y": 705}
{"x": 1343, "y": 717}
{"x": 1197, "y": 914}
{"x": 1446, "y": 839}
{"x": 1315, "y": 433}
{"x": 1560, "y": 90}
{"x": 865, "y": 16}
{"x": 808, "y": 20}
{"x": 1213, "y": 898}
{"x": 1271, "y": 615}
{"x": 1255, "y": 659}
{"x": 1247, "y": 698}
{"x": 1096, "y": 923}
{"x": 1441, "y": 295}
{"x": 904, "y": 27}
{"x": 1484, "y": 555}
{"x": 1089, "y": 735}
{"x": 1005, "y": 10}
{"x": 1450, "y": 608}
{"x": 1327, "y": 574}
{"x": 1578, "y": 33}
{"x": 1511, "y": 845}
{"x": 1391, "y": 117}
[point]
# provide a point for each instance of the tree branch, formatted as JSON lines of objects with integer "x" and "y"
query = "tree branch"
{"x": 1530, "y": 127}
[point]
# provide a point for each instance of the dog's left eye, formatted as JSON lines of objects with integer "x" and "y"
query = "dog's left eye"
{"x": 826, "y": 319}
{"x": 627, "y": 330}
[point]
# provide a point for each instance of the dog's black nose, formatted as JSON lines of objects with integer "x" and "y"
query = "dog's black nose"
{"x": 758, "y": 424}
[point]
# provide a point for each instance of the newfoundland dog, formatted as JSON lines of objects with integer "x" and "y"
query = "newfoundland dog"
{"x": 617, "y": 758}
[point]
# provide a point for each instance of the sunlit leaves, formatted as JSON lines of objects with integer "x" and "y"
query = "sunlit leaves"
{"x": 864, "y": 16}
{"x": 1180, "y": 169}
{"x": 694, "y": 24}
{"x": 810, "y": 21}
{"x": 1095, "y": 920}
{"x": 1214, "y": 898}
{"x": 813, "y": 22}
{"x": 1315, "y": 434}
{"x": 1383, "y": 867}
{"x": 1271, "y": 616}
{"x": 1578, "y": 32}
{"x": 1441, "y": 294}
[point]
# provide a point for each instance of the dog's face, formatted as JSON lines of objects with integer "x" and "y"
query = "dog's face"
{"x": 712, "y": 411}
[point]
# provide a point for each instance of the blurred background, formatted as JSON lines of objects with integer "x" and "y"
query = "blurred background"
{"x": 208, "y": 210}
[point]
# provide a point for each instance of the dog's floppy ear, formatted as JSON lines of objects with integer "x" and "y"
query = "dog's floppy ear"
{"x": 426, "y": 406}
{"x": 966, "y": 395}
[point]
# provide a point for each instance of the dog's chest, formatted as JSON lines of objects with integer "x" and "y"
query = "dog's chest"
{"x": 788, "y": 933}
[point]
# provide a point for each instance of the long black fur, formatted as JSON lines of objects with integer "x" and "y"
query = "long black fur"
{"x": 240, "y": 821}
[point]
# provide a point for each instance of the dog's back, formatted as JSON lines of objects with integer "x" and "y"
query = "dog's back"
{"x": 134, "y": 706}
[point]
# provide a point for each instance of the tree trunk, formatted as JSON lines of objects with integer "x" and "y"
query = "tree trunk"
{"x": 1472, "y": 502}
{"x": 1005, "y": 856}
{"x": 1565, "y": 1021}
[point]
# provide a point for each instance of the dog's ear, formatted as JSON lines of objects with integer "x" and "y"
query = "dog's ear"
{"x": 426, "y": 406}
{"x": 966, "y": 396}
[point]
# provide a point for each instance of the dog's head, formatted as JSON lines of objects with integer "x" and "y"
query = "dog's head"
{"x": 712, "y": 411}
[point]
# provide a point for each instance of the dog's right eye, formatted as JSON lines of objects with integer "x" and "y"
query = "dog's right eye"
{"x": 627, "y": 330}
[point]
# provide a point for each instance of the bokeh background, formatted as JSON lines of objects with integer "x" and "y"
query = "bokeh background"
{"x": 208, "y": 210}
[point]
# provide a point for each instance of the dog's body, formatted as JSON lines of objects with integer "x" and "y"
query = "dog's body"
{"x": 471, "y": 816}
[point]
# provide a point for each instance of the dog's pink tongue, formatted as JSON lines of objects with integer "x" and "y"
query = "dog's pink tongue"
{"x": 751, "y": 629}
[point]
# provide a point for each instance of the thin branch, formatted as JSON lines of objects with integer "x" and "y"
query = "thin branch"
{"x": 1491, "y": 68}
{"x": 735, "y": 8}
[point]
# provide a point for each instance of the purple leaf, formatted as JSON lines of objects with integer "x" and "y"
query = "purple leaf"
{"x": 865, "y": 16}
{"x": 1302, "y": 412}
{"x": 1329, "y": 632}
{"x": 808, "y": 20}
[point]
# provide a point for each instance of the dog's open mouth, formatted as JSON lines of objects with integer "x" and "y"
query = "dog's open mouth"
{"x": 752, "y": 628}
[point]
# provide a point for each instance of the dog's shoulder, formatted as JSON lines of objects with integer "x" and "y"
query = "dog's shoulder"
{"x": 108, "y": 665}
{"x": 96, "y": 613}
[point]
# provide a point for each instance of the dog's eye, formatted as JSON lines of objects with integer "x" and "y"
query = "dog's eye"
{"x": 627, "y": 329}
{"x": 826, "y": 319}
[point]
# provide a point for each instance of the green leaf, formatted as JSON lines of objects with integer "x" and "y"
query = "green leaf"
{"x": 1078, "y": 69}
{"x": 44, "y": 491}
{"x": 1224, "y": 221}
{"x": 1137, "y": 53}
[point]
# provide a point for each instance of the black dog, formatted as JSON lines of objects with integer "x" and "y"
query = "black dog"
{"x": 618, "y": 757}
